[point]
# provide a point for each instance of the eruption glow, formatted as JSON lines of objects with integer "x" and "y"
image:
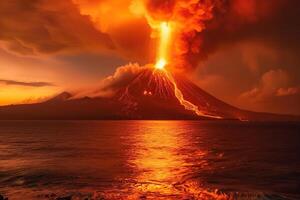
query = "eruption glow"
{"x": 165, "y": 33}
{"x": 162, "y": 61}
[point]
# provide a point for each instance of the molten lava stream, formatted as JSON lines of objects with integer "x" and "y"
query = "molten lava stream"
{"x": 162, "y": 60}
{"x": 187, "y": 104}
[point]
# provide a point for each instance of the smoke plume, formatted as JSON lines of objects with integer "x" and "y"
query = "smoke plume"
{"x": 204, "y": 26}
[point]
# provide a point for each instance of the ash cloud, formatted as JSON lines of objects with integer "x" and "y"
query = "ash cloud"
{"x": 210, "y": 25}
{"x": 26, "y": 84}
{"x": 274, "y": 22}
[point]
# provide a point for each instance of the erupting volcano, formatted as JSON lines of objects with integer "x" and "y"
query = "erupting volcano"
{"x": 162, "y": 61}
{"x": 154, "y": 91}
{"x": 163, "y": 80}
{"x": 150, "y": 92}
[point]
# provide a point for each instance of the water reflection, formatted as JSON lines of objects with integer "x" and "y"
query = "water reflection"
{"x": 161, "y": 158}
{"x": 157, "y": 158}
{"x": 147, "y": 160}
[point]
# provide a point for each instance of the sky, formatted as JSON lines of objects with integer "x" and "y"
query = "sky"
{"x": 243, "y": 52}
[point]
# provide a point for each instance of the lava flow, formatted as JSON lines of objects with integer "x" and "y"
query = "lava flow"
{"x": 162, "y": 62}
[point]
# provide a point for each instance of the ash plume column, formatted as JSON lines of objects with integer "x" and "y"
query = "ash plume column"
{"x": 189, "y": 18}
{"x": 205, "y": 26}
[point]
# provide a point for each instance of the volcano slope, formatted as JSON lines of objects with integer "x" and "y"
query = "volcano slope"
{"x": 147, "y": 95}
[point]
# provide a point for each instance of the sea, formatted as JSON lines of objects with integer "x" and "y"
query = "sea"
{"x": 62, "y": 160}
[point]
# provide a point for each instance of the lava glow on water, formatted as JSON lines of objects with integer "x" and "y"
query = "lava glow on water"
{"x": 157, "y": 162}
{"x": 162, "y": 61}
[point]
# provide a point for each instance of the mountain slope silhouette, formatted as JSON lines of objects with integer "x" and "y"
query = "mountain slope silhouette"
{"x": 148, "y": 95}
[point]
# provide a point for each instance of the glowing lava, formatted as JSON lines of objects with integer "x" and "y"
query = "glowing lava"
{"x": 165, "y": 35}
{"x": 162, "y": 61}
{"x": 161, "y": 64}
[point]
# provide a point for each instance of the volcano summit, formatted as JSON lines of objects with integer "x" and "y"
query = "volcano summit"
{"x": 148, "y": 94}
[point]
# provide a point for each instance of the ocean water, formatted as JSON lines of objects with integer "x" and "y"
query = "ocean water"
{"x": 149, "y": 160}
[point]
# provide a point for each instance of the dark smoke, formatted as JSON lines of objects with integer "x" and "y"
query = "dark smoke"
{"x": 209, "y": 25}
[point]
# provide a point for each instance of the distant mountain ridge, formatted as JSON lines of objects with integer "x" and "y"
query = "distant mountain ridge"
{"x": 64, "y": 96}
{"x": 149, "y": 95}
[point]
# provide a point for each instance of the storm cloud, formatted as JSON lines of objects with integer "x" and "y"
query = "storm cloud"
{"x": 47, "y": 27}
{"x": 26, "y": 84}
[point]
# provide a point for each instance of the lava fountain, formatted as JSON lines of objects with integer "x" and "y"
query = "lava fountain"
{"x": 162, "y": 56}
{"x": 162, "y": 62}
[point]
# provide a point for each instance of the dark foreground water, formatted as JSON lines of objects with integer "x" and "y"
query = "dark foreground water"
{"x": 149, "y": 160}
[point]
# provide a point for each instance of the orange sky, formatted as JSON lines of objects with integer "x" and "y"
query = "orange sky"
{"x": 243, "y": 52}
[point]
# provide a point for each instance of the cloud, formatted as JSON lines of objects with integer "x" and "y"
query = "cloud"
{"x": 122, "y": 76}
{"x": 47, "y": 27}
{"x": 26, "y": 84}
{"x": 203, "y": 27}
{"x": 128, "y": 29}
{"x": 288, "y": 91}
{"x": 273, "y": 83}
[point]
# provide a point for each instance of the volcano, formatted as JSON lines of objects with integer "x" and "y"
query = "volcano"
{"x": 149, "y": 94}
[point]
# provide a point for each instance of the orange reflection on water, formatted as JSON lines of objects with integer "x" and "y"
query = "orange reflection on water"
{"x": 164, "y": 159}
{"x": 158, "y": 157}
{"x": 157, "y": 160}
